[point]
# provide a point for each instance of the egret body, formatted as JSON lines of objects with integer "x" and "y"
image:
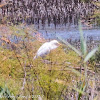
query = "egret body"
{"x": 46, "y": 48}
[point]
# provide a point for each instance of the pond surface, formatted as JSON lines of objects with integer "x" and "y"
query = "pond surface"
{"x": 68, "y": 32}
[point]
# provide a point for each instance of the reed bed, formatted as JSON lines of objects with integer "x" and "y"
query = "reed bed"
{"x": 45, "y": 11}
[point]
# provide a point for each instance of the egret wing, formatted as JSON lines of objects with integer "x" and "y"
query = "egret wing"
{"x": 43, "y": 47}
{"x": 43, "y": 50}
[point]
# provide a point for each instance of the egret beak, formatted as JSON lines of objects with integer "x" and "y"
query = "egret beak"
{"x": 59, "y": 44}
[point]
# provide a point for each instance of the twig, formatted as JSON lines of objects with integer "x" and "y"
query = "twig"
{"x": 24, "y": 81}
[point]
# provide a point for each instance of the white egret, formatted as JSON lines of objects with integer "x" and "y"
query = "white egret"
{"x": 46, "y": 48}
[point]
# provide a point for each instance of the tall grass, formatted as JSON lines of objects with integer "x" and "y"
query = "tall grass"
{"x": 85, "y": 57}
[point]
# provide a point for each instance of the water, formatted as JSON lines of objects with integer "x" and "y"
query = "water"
{"x": 67, "y": 32}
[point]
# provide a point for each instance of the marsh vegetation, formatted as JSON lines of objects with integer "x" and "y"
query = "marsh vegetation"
{"x": 70, "y": 72}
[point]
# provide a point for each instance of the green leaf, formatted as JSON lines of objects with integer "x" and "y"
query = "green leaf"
{"x": 1, "y": 93}
{"x": 90, "y": 54}
{"x": 79, "y": 91}
{"x": 83, "y": 41}
{"x": 82, "y": 89}
{"x": 75, "y": 71}
{"x": 73, "y": 48}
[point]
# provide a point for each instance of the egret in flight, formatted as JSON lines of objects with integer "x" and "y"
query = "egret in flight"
{"x": 46, "y": 48}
